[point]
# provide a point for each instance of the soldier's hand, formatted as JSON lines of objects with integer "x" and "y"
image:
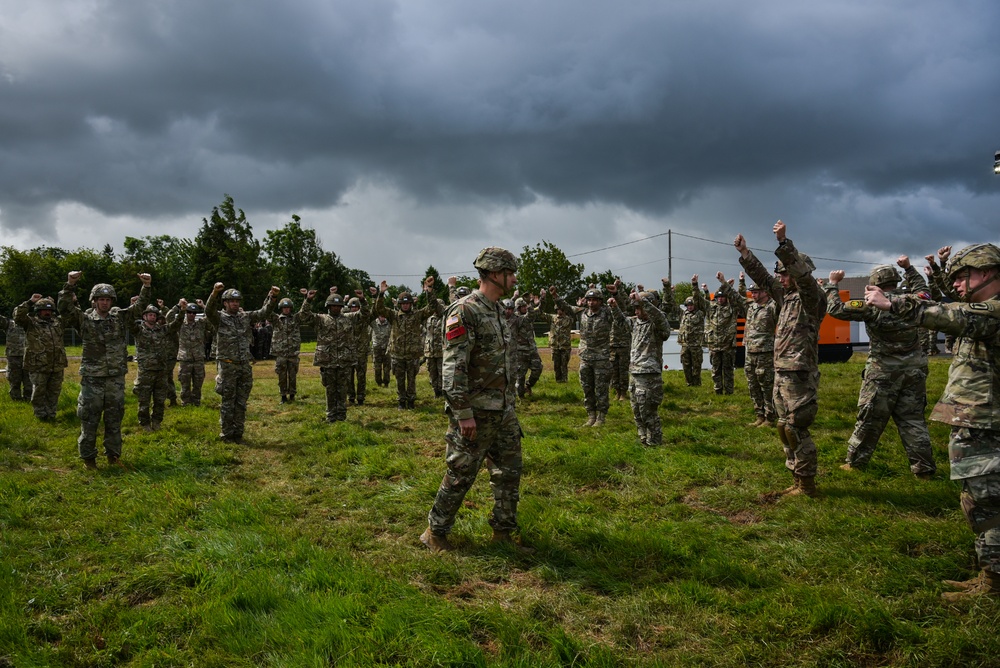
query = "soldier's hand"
{"x": 303, "y": 291}
{"x": 428, "y": 284}
{"x": 931, "y": 260}
{"x": 275, "y": 291}
{"x": 146, "y": 279}
{"x": 611, "y": 288}
{"x": 612, "y": 301}
{"x": 779, "y": 230}
{"x": 730, "y": 281}
{"x": 876, "y": 298}
{"x": 73, "y": 277}
{"x": 452, "y": 281}
{"x": 639, "y": 288}
{"x": 333, "y": 290}
{"x": 720, "y": 277}
{"x": 928, "y": 271}
{"x": 34, "y": 298}
{"x": 553, "y": 291}
{"x": 372, "y": 290}
{"x": 704, "y": 287}
{"x": 944, "y": 253}
{"x": 741, "y": 245}
{"x": 821, "y": 281}
{"x": 694, "y": 279}
{"x": 310, "y": 294}
{"x": 666, "y": 282}
{"x": 133, "y": 299}
{"x": 359, "y": 293}
{"x": 542, "y": 293}
{"x": 742, "y": 276}
{"x": 591, "y": 286}
{"x": 159, "y": 302}
{"x": 903, "y": 261}
{"x": 218, "y": 287}
{"x": 383, "y": 287}
{"x": 468, "y": 428}
{"x": 199, "y": 303}
{"x": 183, "y": 303}
{"x": 836, "y": 276}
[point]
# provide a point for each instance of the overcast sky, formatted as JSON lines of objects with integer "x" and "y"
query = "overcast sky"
{"x": 415, "y": 132}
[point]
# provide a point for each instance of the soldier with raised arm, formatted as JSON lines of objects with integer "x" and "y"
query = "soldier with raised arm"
{"x": 720, "y": 335}
{"x": 595, "y": 353}
{"x": 691, "y": 336}
{"x": 191, "y": 339}
{"x": 44, "y": 353}
{"x": 761, "y": 314}
{"x": 405, "y": 343}
{"x": 649, "y": 329}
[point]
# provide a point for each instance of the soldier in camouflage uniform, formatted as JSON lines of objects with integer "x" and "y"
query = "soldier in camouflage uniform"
{"x": 894, "y": 382}
{"x": 152, "y": 355}
{"x": 335, "y": 353}
{"x": 357, "y": 382}
{"x": 560, "y": 342}
{"x": 381, "y": 329}
{"x": 479, "y": 400}
{"x": 234, "y": 361}
{"x": 44, "y": 353}
{"x": 191, "y": 338}
{"x": 175, "y": 343}
{"x": 720, "y": 336}
{"x": 434, "y": 349}
{"x": 691, "y": 337}
{"x": 796, "y": 352}
{"x": 20, "y": 383}
{"x": 595, "y": 353}
{"x": 621, "y": 344}
{"x": 405, "y": 343}
{"x": 286, "y": 340}
{"x": 521, "y": 324}
{"x": 761, "y": 314}
{"x": 649, "y": 329}
{"x": 971, "y": 400}
{"x": 103, "y": 364}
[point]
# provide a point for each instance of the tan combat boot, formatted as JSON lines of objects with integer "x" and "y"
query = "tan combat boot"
{"x": 504, "y": 538}
{"x": 591, "y": 418}
{"x": 806, "y": 486}
{"x": 760, "y": 422}
{"x": 986, "y": 583}
{"x": 90, "y": 463}
{"x": 794, "y": 488}
{"x": 435, "y": 543}
{"x": 598, "y": 420}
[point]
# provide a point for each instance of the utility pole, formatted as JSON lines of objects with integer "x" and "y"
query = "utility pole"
{"x": 670, "y": 255}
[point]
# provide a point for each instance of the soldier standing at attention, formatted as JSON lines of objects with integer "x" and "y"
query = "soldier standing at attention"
{"x": 971, "y": 399}
{"x": 44, "y": 353}
{"x": 595, "y": 353}
{"x": 894, "y": 382}
{"x": 796, "y": 351}
{"x": 103, "y": 363}
{"x": 649, "y": 329}
{"x": 720, "y": 335}
{"x": 405, "y": 343}
{"x": 20, "y": 383}
{"x": 153, "y": 350}
{"x": 381, "y": 328}
{"x": 233, "y": 338}
{"x": 191, "y": 354}
{"x": 479, "y": 400}
{"x": 761, "y": 313}
{"x": 691, "y": 337}
{"x": 286, "y": 340}
{"x": 621, "y": 344}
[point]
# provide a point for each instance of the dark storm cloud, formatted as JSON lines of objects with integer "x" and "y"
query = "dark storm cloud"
{"x": 152, "y": 109}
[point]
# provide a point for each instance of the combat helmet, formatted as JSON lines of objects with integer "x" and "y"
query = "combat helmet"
{"x": 594, "y": 293}
{"x": 689, "y": 301}
{"x": 883, "y": 274}
{"x": 45, "y": 304}
{"x": 285, "y": 303}
{"x": 353, "y": 302}
{"x": 103, "y": 290}
{"x": 507, "y": 304}
{"x": 193, "y": 308}
{"x": 494, "y": 258}
{"x": 404, "y": 298}
{"x": 519, "y": 302}
{"x": 232, "y": 294}
{"x": 976, "y": 256}
{"x": 335, "y": 300}
{"x": 462, "y": 291}
{"x": 151, "y": 309}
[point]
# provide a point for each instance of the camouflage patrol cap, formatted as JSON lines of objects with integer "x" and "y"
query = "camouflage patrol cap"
{"x": 976, "y": 256}
{"x": 193, "y": 308}
{"x": 353, "y": 302}
{"x": 151, "y": 309}
{"x": 519, "y": 302}
{"x": 45, "y": 304}
{"x": 232, "y": 294}
{"x": 463, "y": 292}
{"x": 404, "y": 298}
{"x": 285, "y": 303}
{"x": 495, "y": 258}
{"x": 883, "y": 274}
{"x": 335, "y": 300}
{"x": 594, "y": 293}
{"x": 103, "y": 290}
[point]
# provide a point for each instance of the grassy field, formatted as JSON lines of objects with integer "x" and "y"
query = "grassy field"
{"x": 300, "y": 547}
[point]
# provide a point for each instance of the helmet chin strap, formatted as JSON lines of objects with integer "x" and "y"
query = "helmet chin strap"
{"x": 489, "y": 279}
{"x": 969, "y": 291}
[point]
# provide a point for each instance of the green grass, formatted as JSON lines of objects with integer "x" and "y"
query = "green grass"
{"x": 300, "y": 548}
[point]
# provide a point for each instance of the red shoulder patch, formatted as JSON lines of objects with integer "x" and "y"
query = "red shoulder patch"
{"x": 455, "y": 332}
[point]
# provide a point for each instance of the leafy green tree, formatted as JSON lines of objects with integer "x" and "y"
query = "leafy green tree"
{"x": 546, "y": 265}
{"x": 293, "y": 252}
{"x": 225, "y": 250}
{"x": 605, "y": 278}
{"x": 330, "y": 271}
{"x": 168, "y": 259}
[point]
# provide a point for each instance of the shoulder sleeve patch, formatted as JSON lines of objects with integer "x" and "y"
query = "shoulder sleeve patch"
{"x": 454, "y": 327}
{"x": 981, "y": 306}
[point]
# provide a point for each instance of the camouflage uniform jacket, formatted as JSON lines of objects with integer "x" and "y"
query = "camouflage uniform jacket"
{"x": 44, "y": 351}
{"x": 286, "y": 340}
{"x": 15, "y": 337}
{"x": 105, "y": 351}
{"x": 668, "y": 304}
{"x": 478, "y": 366}
{"x": 895, "y": 343}
{"x": 621, "y": 336}
{"x": 971, "y": 398}
{"x": 760, "y": 319}
{"x": 647, "y": 337}
{"x": 595, "y": 331}
{"x": 796, "y": 338}
{"x": 192, "y": 337}
{"x": 153, "y": 349}
{"x": 560, "y": 330}
{"x": 335, "y": 334}
{"x": 434, "y": 335}
{"x": 691, "y": 332}
{"x": 405, "y": 340}
{"x": 173, "y": 337}
{"x": 380, "y": 334}
{"x": 720, "y": 322}
{"x": 234, "y": 333}
{"x": 523, "y": 330}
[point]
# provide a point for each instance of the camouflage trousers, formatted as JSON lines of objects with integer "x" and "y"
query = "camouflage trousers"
{"x": 191, "y": 377}
{"x": 381, "y": 361}
{"x": 980, "y": 497}
{"x": 930, "y": 341}
{"x": 759, "y": 370}
{"x": 646, "y": 390}
{"x": 620, "y": 380}
{"x": 335, "y": 380}
{"x": 357, "y": 383}
{"x": 405, "y": 372}
{"x": 560, "y": 364}
{"x": 595, "y": 379}
{"x": 45, "y": 389}
{"x": 498, "y": 443}
{"x": 100, "y": 396}
{"x": 233, "y": 382}
{"x": 691, "y": 358}
{"x": 20, "y": 382}
{"x": 723, "y": 365}
{"x": 795, "y": 401}
{"x": 902, "y": 396}
{"x": 287, "y": 370}
{"x": 527, "y": 360}
{"x": 434, "y": 366}
{"x": 171, "y": 387}
{"x": 150, "y": 387}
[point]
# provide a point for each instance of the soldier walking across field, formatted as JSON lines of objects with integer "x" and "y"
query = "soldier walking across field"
{"x": 234, "y": 361}
{"x": 796, "y": 351}
{"x": 595, "y": 352}
{"x": 286, "y": 342}
{"x": 153, "y": 350}
{"x": 44, "y": 353}
{"x": 480, "y": 403}
{"x": 894, "y": 382}
{"x": 191, "y": 339}
{"x": 649, "y": 329}
{"x": 970, "y": 403}
{"x": 761, "y": 314}
{"x": 103, "y": 364}
{"x": 405, "y": 343}
{"x": 20, "y": 383}
{"x": 720, "y": 335}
